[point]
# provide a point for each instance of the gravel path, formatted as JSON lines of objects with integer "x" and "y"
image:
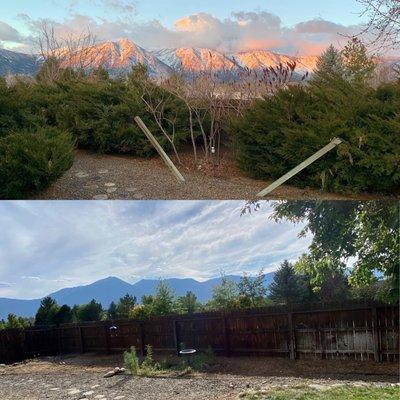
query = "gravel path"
{"x": 102, "y": 177}
{"x": 81, "y": 377}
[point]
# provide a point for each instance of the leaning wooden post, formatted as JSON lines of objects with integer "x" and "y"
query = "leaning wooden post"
{"x": 300, "y": 167}
{"x": 159, "y": 149}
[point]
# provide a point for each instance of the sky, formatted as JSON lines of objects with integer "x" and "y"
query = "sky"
{"x": 46, "y": 246}
{"x": 285, "y": 26}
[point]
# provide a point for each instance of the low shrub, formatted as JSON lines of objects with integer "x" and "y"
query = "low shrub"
{"x": 280, "y": 132}
{"x": 31, "y": 161}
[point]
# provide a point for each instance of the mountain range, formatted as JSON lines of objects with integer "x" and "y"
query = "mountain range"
{"x": 119, "y": 57}
{"x": 111, "y": 289}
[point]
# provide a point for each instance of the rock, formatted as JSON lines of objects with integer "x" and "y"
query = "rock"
{"x": 73, "y": 391}
{"x": 109, "y": 184}
{"x": 103, "y": 171}
{"x": 111, "y": 190}
{"x": 231, "y": 385}
{"x": 100, "y": 197}
{"x": 109, "y": 374}
{"x": 99, "y": 396}
{"x": 89, "y": 393}
{"x": 131, "y": 190}
{"x": 2, "y": 365}
{"x": 95, "y": 386}
{"x": 81, "y": 175}
{"x": 119, "y": 397}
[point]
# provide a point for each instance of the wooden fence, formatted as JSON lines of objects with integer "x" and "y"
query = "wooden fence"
{"x": 361, "y": 332}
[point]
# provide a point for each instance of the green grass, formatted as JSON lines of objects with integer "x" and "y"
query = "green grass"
{"x": 345, "y": 392}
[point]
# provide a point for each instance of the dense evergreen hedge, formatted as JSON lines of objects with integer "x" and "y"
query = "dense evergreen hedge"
{"x": 39, "y": 120}
{"x": 280, "y": 132}
{"x": 30, "y": 161}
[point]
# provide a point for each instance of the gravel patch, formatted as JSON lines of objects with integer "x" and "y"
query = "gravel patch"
{"x": 81, "y": 377}
{"x": 93, "y": 175}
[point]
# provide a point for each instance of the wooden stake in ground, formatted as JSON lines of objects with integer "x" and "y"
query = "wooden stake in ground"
{"x": 335, "y": 142}
{"x": 159, "y": 149}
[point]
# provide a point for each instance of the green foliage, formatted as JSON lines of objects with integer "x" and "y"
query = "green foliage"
{"x": 63, "y": 315}
{"x": 287, "y": 287}
{"x": 163, "y": 301}
{"x": 14, "y": 322}
{"x": 29, "y": 162}
{"x": 112, "y": 311}
{"x": 331, "y": 393}
{"x": 225, "y": 295}
{"x": 37, "y": 121}
{"x": 330, "y": 62}
{"x": 46, "y": 312}
{"x": 187, "y": 304}
{"x": 367, "y": 231}
{"x": 252, "y": 291}
{"x": 131, "y": 361}
{"x": 358, "y": 65}
{"x": 124, "y": 306}
{"x": 281, "y": 131}
{"x": 92, "y": 311}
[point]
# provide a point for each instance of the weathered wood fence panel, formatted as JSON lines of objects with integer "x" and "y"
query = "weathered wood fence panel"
{"x": 356, "y": 332}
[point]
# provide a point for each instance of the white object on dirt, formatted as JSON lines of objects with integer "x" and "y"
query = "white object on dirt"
{"x": 335, "y": 142}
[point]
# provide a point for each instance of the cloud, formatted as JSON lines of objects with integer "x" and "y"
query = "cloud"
{"x": 8, "y": 33}
{"x": 241, "y": 31}
{"x": 51, "y": 245}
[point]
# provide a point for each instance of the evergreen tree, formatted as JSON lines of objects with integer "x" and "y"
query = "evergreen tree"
{"x": 188, "y": 304}
{"x": 14, "y": 322}
{"x": 63, "y": 315}
{"x": 124, "y": 305}
{"x": 112, "y": 311}
{"x": 330, "y": 62}
{"x": 46, "y": 312}
{"x": 92, "y": 311}
{"x": 359, "y": 66}
{"x": 163, "y": 302}
{"x": 287, "y": 287}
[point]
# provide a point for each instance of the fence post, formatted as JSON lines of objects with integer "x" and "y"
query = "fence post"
{"x": 107, "y": 339}
{"x": 375, "y": 334}
{"x": 142, "y": 344}
{"x": 80, "y": 339}
{"x": 292, "y": 337}
{"x": 227, "y": 346}
{"x": 176, "y": 336}
{"x": 59, "y": 340}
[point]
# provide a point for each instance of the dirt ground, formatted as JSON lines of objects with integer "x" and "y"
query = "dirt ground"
{"x": 81, "y": 377}
{"x": 101, "y": 177}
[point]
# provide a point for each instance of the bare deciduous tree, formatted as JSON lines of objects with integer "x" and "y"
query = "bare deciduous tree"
{"x": 384, "y": 21}
{"x": 74, "y": 51}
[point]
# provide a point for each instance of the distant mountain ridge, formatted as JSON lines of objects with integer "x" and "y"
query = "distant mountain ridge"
{"x": 112, "y": 289}
{"x": 119, "y": 57}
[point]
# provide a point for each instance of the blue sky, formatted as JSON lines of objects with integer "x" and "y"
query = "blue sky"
{"x": 46, "y": 246}
{"x": 285, "y": 26}
{"x": 168, "y": 11}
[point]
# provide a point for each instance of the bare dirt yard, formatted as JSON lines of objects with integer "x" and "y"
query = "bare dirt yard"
{"x": 81, "y": 377}
{"x": 101, "y": 177}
